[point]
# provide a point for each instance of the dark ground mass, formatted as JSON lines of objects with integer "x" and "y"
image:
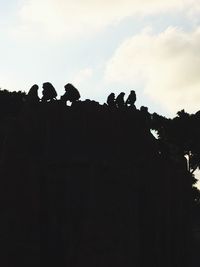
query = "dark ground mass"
{"x": 89, "y": 185}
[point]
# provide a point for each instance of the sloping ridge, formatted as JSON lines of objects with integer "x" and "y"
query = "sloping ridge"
{"x": 89, "y": 186}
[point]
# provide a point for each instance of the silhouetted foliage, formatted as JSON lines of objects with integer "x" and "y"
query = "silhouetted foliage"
{"x": 89, "y": 185}
{"x": 181, "y": 133}
{"x": 11, "y": 103}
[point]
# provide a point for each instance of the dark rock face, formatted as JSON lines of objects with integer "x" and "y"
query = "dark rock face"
{"x": 88, "y": 186}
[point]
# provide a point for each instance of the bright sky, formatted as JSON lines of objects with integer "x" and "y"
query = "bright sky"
{"x": 150, "y": 46}
{"x": 103, "y": 46}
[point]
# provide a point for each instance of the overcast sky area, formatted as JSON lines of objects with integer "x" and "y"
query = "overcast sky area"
{"x": 104, "y": 46}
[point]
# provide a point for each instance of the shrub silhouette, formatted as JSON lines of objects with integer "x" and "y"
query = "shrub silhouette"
{"x": 90, "y": 185}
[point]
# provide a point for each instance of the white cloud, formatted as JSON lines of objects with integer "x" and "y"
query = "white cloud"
{"x": 83, "y": 81}
{"x": 167, "y": 65}
{"x": 82, "y": 76}
{"x": 67, "y": 18}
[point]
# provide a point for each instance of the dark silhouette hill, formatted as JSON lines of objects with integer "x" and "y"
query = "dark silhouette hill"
{"x": 89, "y": 185}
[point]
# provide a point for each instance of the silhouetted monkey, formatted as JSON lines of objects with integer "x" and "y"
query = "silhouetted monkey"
{"x": 120, "y": 100}
{"x": 111, "y": 100}
{"x": 146, "y": 116}
{"x": 130, "y": 101}
{"x": 49, "y": 92}
{"x": 71, "y": 93}
{"x": 32, "y": 96}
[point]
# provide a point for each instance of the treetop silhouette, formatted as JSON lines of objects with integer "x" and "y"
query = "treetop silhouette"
{"x": 89, "y": 184}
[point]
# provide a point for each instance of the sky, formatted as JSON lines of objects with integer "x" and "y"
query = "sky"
{"x": 104, "y": 46}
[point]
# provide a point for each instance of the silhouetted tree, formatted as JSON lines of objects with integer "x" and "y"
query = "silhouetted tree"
{"x": 11, "y": 103}
{"x": 86, "y": 186}
{"x": 179, "y": 140}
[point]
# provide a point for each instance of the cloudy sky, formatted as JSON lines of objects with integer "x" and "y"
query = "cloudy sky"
{"x": 103, "y": 46}
{"x": 151, "y": 46}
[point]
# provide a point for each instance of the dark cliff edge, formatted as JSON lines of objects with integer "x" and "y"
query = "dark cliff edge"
{"x": 89, "y": 186}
